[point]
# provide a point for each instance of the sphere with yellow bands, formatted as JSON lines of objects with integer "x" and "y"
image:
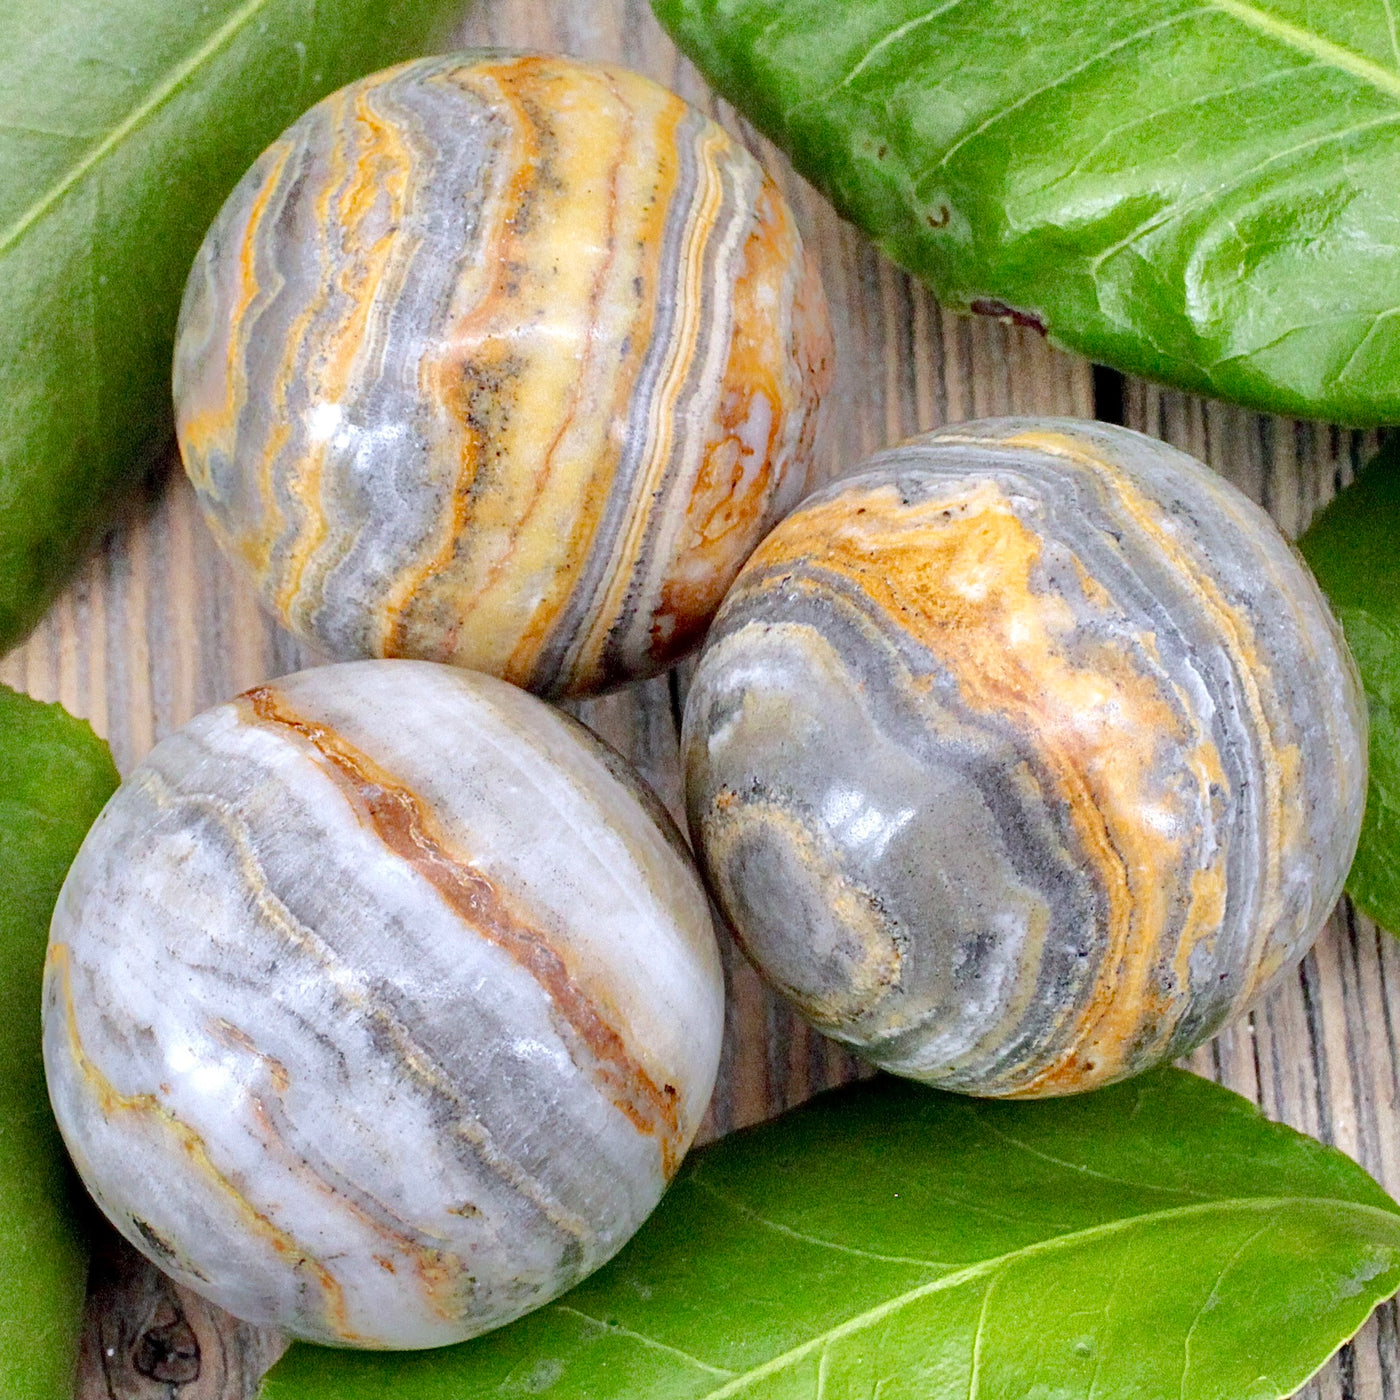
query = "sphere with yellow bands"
{"x": 501, "y": 360}
{"x": 1026, "y": 757}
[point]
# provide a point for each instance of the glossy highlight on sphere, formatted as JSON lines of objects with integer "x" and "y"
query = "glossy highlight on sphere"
{"x": 381, "y": 1004}
{"x": 1026, "y": 757}
{"x": 501, "y": 360}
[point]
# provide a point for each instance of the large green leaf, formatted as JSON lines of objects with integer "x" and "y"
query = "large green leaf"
{"x": 1158, "y": 1238}
{"x": 123, "y": 124}
{"x": 55, "y": 774}
{"x": 1354, "y": 549}
{"x": 1206, "y": 192}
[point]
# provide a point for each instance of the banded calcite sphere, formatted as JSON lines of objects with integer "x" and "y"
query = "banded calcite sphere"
{"x": 1027, "y": 756}
{"x": 381, "y": 1004}
{"x": 501, "y": 360}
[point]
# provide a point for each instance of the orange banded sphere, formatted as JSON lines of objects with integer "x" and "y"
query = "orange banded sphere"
{"x": 1026, "y": 757}
{"x": 501, "y": 360}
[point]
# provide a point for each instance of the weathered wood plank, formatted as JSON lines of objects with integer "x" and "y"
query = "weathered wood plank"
{"x": 159, "y": 626}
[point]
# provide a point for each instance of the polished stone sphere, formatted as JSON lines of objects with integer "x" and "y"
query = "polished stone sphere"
{"x": 381, "y": 1004}
{"x": 501, "y": 360}
{"x": 1025, "y": 757}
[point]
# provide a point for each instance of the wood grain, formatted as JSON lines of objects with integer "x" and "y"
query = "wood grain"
{"x": 158, "y": 627}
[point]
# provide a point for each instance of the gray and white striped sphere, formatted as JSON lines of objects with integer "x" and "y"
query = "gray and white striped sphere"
{"x": 381, "y": 1004}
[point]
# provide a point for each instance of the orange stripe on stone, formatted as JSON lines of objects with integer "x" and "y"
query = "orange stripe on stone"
{"x": 557, "y": 182}
{"x": 599, "y": 483}
{"x": 956, "y": 573}
{"x": 726, "y": 514}
{"x": 1276, "y": 762}
{"x": 112, "y": 1102}
{"x": 399, "y": 819}
{"x": 649, "y": 490}
{"x": 203, "y": 430}
{"x": 439, "y": 1271}
{"x": 472, "y": 378}
{"x": 380, "y": 168}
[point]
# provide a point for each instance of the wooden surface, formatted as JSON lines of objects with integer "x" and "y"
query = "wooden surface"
{"x": 157, "y": 628}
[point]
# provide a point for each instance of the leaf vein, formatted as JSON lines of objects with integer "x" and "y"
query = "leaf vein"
{"x": 1116, "y": 133}
{"x": 25, "y": 129}
{"x": 1314, "y": 45}
{"x": 617, "y": 1329}
{"x": 1107, "y": 1311}
{"x": 974, "y": 1380}
{"x": 820, "y": 98}
{"x": 984, "y": 1267}
{"x": 1080, "y": 1170}
{"x": 823, "y": 1371}
{"x": 750, "y": 1214}
{"x": 1058, "y": 82}
{"x": 1365, "y": 340}
{"x": 1206, "y": 196}
{"x": 150, "y": 104}
{"x": 1214, "y": 1290}
{"x": 1394, "y": 37}
{"x": 894, "y": 36}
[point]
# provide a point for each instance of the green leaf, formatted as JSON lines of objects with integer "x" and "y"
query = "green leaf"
{"x": 1354, "y": 549}
{"x": 55, "y": 774}
{"x": 1158, "y": 1238}
{"x": 123, "y": 124}
{"x": 1199, "y": 191}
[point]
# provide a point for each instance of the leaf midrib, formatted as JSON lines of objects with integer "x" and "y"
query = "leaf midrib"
{"x": 1314, "y": 45}
{"x": 990, "y": 1266}
{"x": 151, "y": 103}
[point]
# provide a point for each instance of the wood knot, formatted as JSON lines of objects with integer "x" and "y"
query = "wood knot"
{"x": 167, "y": 1351}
